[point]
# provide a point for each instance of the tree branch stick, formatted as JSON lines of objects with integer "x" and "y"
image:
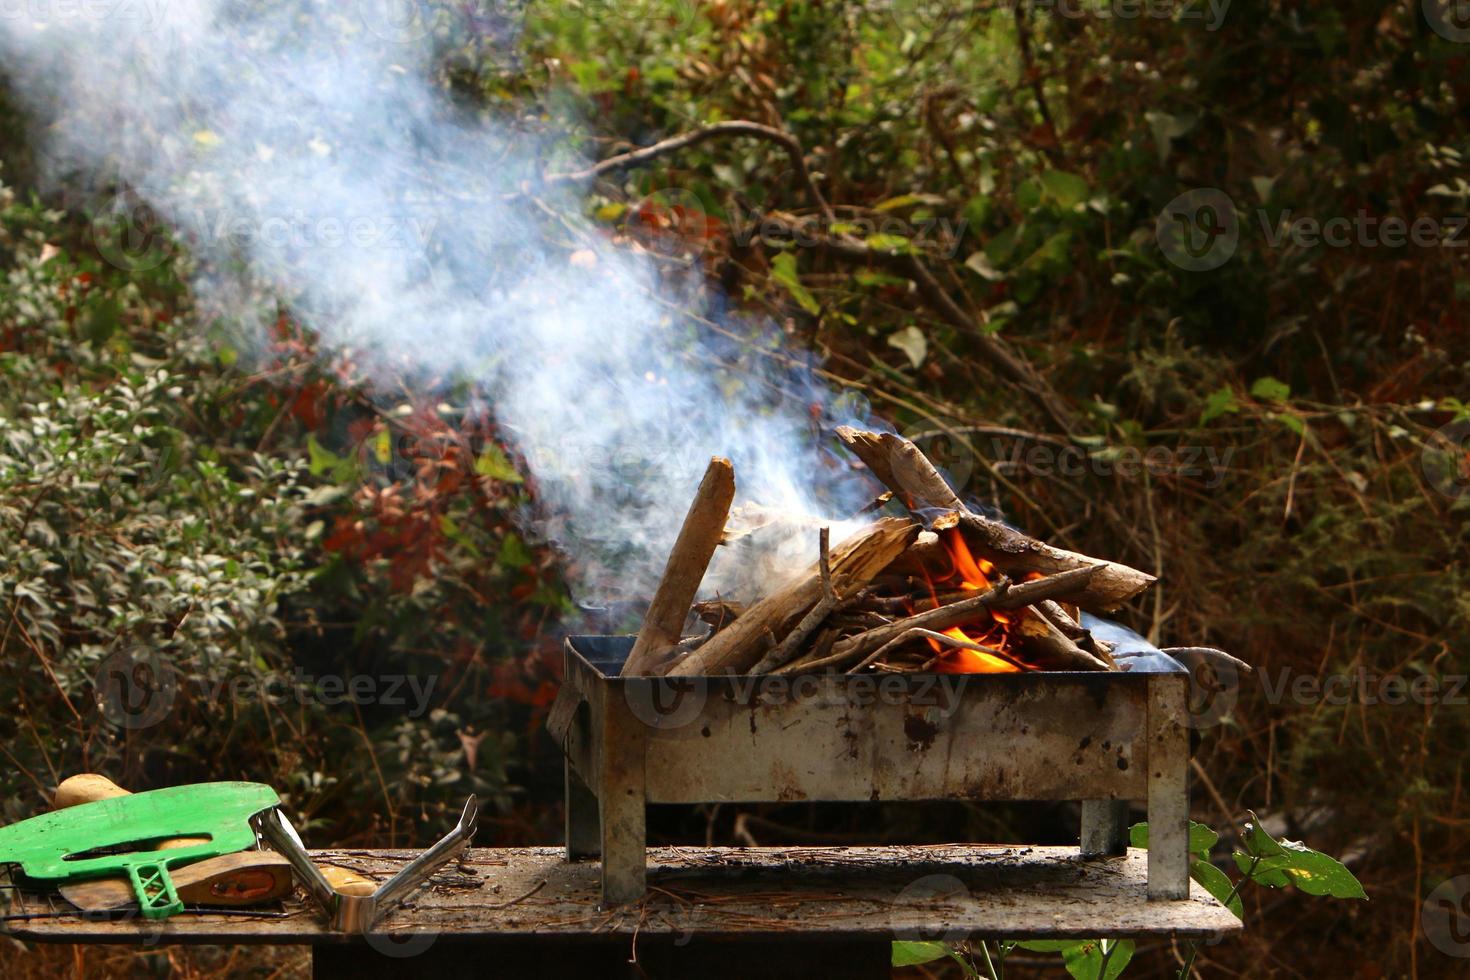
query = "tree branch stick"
{"x": 688, "y": 561}
{"x": 734, "y": 127}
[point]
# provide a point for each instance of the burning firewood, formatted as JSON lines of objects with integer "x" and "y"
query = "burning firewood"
{"x": 703, "y": 527}
{"x": 978, "y": 608}
{"x": 738, "y": 647}
{"x": 903, "y": 468}
{"x": 899, "y": 595}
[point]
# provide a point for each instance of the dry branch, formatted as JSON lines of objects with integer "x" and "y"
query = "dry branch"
{"x": 966, "y": 611}
{"x": 854, "y": 563}
{"x": 695, "y": 546}
{"x": 903, "y": 468}
{"x": 788, "y": 648}
{"x": 1045, "y": 643}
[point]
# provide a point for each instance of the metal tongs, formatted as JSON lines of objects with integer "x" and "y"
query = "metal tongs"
{"x": 358, "y": 913}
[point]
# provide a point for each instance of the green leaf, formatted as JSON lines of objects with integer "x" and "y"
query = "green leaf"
{"x": 912, "y": 342}
{"x": 383, "y": 447}
{"x": 1002, "y": 247}
{"x": 1218, "y": 884}
{"x": 1312, "y": 871}
{"x": 513, "y": 552}
{"x": 321, "y": 460}
{"x": 1283, "y": 861}
{"x": 907, "y": 201}
{"x": 1028, "y": 194}
{"x": 1051, "y": 945}
{"x": 493, "y": 462}
{"x": 979, "y": 263}
{"x": 1091, "y": 959}
{"x": 1271, "y": 390}
{"x": 783, "y": 270}
{"x": 977, "y": 210}
{"x": 1053, "y": 255}
{"x": 914, "y": 953}
{"x": 1065, "y": 190}
{"x": 1292, "y": 422}
{"x": 889, "y": 243}
{"x": 1219, "y": 403}
{"x": 1201, "y": 838}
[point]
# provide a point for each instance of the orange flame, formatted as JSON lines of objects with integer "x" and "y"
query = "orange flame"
{"x": 971, "y": 574}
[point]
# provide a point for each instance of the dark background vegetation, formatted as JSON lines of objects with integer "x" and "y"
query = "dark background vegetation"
{"x": 250, "y": 514}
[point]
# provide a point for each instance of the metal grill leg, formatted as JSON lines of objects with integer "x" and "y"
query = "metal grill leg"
{"x": 1168, "y": 788}
{"x": 1104, "y": 828}
{"x": 622, "y": 806}
{"x": 584, "y": 826}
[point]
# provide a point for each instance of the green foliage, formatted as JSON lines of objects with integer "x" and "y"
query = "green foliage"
{"x": 1266, "y": 861}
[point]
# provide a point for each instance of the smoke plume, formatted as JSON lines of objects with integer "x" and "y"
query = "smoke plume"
{"x": 308, "y": 153}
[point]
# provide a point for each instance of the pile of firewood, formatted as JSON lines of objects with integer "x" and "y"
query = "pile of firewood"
{"x": 944, "y": 589}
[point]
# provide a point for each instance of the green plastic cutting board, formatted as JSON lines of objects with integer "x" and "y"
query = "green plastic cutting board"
{"x": 64, "y": 845}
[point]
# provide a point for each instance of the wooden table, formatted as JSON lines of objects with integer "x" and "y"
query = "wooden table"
{"x": 799, "y": 912}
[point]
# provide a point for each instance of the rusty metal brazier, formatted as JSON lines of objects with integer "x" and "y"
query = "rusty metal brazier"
{"x": 1102, "y": 739}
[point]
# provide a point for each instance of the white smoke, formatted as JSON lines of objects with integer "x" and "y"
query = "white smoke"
{"x": 307, "y": 153}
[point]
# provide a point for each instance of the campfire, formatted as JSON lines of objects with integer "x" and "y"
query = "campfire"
{"x": 942, "y": 590}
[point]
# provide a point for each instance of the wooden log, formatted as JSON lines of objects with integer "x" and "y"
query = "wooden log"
{"x": 903, "y": 468}
{"x": 788, "y": 648}
{"x": 853, "y": 564}
{"x": 1045, "y": 643}
{"x": 1058, "y": 615}
{"x": 966, "y": 611}
{"x": 698, "y": 537}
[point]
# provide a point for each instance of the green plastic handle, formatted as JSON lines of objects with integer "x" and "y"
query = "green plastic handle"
{"x": 154, "y": 890}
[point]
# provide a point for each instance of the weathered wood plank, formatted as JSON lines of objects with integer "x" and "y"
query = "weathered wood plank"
{"x": 726, "y": 893}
